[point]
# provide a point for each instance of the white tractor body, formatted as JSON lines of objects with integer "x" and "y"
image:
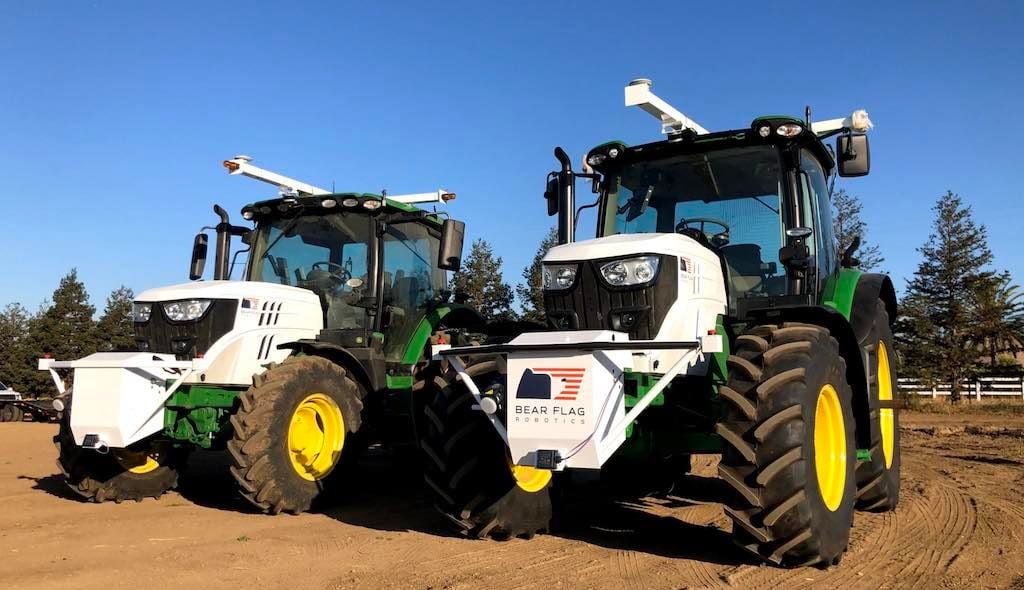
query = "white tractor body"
{"x": 565, "y": 400}
{"x": 119, "y": 396}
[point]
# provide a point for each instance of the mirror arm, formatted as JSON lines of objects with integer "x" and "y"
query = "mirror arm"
{"x": 848, "y": 260}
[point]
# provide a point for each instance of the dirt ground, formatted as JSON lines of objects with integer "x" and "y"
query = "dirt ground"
{"x": 960, "y": 524}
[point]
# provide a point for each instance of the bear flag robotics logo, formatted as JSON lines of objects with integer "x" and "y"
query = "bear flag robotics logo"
{"x": 558, "y": 384}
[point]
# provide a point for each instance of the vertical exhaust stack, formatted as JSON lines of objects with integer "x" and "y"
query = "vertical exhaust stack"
{"x": 566, "y": 198}
{"x": 220, "y": 266}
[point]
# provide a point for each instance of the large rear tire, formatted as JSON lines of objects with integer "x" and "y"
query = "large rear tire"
{"x": 146, "y": 469}
{"x": 878, "y": 479}
{"x": 467, "y": 466}
{"x": 789, "y": 451}
{"x": 290, "y": 432}
{"x": 7, "y": 413}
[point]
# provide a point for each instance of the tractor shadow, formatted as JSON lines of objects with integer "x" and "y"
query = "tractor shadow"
{"x": 53, "y": 485}
{"x": 657, "y": 523}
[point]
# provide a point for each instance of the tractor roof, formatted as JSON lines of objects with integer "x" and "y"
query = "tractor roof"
{"x": 333, "y": 202}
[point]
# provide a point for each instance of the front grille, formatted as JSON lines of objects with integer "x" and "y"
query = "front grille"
{"x": 591, "y": 304}
{"x": 186, "y": 340}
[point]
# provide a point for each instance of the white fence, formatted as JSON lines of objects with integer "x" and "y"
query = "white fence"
{"x": 982, "y": 387}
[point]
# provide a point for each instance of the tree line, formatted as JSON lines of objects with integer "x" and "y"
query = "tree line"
{"x": 63, "y": 328}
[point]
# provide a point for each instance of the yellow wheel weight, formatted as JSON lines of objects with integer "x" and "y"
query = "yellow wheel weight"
{"x": 886, "y": 416}
{"x": 830, "y": 447}
{"x": 316, "y": 435}
{"x": 531, "y": 479}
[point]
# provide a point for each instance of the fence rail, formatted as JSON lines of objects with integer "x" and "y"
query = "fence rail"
{"x": 982, "y": 387}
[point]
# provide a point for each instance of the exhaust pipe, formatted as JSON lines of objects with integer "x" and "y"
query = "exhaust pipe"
{"x": 220, "y": 265}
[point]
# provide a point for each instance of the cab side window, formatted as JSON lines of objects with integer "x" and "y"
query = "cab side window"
{"x": 818, "y": 205}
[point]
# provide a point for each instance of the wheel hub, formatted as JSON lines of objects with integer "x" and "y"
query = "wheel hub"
{"x": 140, "y": 462}
{"x": 830, "y": 447}
{"x": 886, "y": 416}
{"x": 316, "y": 435}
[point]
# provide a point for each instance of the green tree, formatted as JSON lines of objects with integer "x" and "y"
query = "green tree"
{"x": 847, "y": 224}
{"x": 938, "y": 335}
{"x": 479, "y": 282}
{"x": 1000, "y": 326}
{"x": 15, "y": 361}
{"x": 64, "y": 329}
{"x": 530, "y": 291}
{"x": 115, "y": 329}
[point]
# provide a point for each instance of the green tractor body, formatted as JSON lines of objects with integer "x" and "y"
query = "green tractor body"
{"x": 712, "y": 313}
{"x": 312, "y": 356}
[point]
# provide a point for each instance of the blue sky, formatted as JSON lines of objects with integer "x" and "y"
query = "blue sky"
{"x": 115, "y": 116}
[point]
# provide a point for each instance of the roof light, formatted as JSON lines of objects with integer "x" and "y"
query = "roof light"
{"x": 231, "y": 166}
{"x": 350, "y": 202}
{"x": 328, "y": 203}
{"x": 764, "y": 131}
{"x": 248, "y": 215}
{"x": 447, "y": 197}
{"x": 613, "y": 153}
{"x": 596, "y": 159}
{"x": 789, "y": 130}
{"x": 371, "y": 204}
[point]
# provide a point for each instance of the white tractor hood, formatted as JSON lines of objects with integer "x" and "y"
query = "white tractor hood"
{"x": 623, "y": 245}
{"x": 224, "y": 290}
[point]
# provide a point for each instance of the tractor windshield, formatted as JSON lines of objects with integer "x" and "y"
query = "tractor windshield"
{"x": 326, "y": 254}
{"x": 727, "y": 199}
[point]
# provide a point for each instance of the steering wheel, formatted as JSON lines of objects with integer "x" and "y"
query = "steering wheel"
{"x": 701, "y": 235}
{"x": 337, "y": 271}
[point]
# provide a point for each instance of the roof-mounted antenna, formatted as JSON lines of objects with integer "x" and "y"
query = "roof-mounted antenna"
{"x": 638, "y": 94}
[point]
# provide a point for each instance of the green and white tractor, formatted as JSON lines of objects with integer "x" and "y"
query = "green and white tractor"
{"x": 711, "y": 314}
{"x": 309, "y": 357}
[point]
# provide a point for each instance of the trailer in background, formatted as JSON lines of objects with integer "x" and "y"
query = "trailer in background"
{"x": 14, "y": 408}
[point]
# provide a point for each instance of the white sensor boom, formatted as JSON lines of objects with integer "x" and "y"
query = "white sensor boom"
{"x": 293, "y": 188}
{"x": 638, "y": 94}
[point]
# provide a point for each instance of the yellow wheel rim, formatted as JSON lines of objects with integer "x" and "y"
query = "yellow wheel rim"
{"x": 886, "y": 416}
{"x": 531, "y": 479}
{"x": 830, "y": 447}
{"x": 316, "y": 436}
{"x": 140, "y": 462}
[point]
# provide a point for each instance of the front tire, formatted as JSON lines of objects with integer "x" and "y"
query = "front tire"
{"x": 146, "y": 469}
{"x": 467, "y": 465}
{"x": 878, "y": 479}
{"x": 290, "y": 432}
{"x": 789, "y": 445}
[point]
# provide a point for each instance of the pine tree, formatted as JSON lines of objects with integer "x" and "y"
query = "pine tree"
{"x": 63, "y": 330}
{"x": 938, "y": 334}
{"x": 1000, "y": 326}
{"x": 115, "y": 329}
{"x": 847, "y": 224}
{"x": 530, "y": 291}
{"x": 15, "y": 364}
{"x": 479, "y": 282}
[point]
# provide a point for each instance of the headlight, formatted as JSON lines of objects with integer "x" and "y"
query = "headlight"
{"x": 142, "y": 311}
{"x": 186, "y": 311}
{"x": 631, "y": 271}
{"x": 559, "y": 276}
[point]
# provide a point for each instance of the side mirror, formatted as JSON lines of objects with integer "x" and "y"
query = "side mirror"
{"x": 449, "y": 257}
{"x": 551, "y": 193}
{"x": 199, "y": 247}
{"x": 853, "y": 154}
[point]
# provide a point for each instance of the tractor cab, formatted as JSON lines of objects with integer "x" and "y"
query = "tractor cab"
{"x": 758, "y": 197}
{"x": 376, "y": 263}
